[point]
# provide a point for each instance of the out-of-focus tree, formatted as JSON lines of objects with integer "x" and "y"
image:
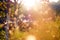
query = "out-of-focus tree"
{"x": 3, "y": 10}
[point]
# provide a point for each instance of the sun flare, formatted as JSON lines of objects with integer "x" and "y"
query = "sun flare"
{"x": 28, "y": 3}
{"x": 53, "y": 0}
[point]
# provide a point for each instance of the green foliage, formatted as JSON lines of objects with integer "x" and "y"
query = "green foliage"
{"x": 2, "y": 34}
{"x": 2, "y": 14}
{"x": 3, "y": 7}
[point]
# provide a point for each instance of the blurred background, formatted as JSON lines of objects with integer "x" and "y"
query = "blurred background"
{"x": 29, "y": 19}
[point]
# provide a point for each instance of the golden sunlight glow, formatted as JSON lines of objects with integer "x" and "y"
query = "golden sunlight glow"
{"x": 53, "y": 0}
{"x": 30, "y": 37}
{"x": 28, "y": 3}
